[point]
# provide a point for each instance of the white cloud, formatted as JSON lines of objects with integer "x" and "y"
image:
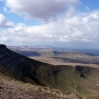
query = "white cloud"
{"x": 79, "y": 28}
{"x": 4, "y": 22}
{"x": 83, "y": 27}
{"x": 3, "y": 39}
{"x": 42, "y": 9}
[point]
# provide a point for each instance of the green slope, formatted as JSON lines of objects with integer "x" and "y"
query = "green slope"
{"x": 81, "y": 80}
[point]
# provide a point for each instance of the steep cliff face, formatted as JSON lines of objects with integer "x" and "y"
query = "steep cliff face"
{"x": 21, "y": 67}
{"x": 81, "y": 80}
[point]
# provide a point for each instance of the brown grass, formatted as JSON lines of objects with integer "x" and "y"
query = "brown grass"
{"x": 56, "y": 62}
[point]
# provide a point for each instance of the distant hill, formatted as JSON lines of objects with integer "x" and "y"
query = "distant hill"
{"x": 80, "y": 80}
{"x": 91, "y": 51}
{"x": 64, "y": 55}
{"x": 87, "y": 51}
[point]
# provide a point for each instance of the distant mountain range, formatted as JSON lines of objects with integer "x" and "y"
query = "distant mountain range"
{"x": 90, "y": 51}
{"x": 72, "y": 56}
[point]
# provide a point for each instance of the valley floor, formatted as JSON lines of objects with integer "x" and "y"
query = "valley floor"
{"x": 56, "y": 62}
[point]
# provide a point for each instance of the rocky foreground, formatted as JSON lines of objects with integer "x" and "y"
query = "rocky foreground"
{"x": 13, "y": 89}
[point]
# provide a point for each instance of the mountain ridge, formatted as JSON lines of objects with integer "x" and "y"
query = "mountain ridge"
{"x": 80, "y": 80}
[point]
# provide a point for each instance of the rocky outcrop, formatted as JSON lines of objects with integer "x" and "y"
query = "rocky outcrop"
{"x": 2, "y": 46}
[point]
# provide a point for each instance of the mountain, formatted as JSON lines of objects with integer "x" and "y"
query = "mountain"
{"x": 80, "y": 80}
{"x": 13, "y": 89}
{"x": 61, "y": 55}
{"x": 89, "y": 51}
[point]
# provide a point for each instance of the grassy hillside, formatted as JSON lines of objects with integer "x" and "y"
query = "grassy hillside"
{"x": 81, "y": 80}
{"x": 13, "y": 89}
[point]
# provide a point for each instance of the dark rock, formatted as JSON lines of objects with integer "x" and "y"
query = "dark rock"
{"x": 2, "y": 45}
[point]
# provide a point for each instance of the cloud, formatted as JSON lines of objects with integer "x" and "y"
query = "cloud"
{"x": 76, "y": 28}
{"x": 3, "y": 39}
{"x": 4, "y": 22}
{"x": 42, "y": 9}
{"x": 81, "y": 28}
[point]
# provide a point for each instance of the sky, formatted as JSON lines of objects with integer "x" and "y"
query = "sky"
{"x": 59, "y": 23}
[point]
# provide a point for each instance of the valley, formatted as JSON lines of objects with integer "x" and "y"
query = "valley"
{"x": 68, "y": 71}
